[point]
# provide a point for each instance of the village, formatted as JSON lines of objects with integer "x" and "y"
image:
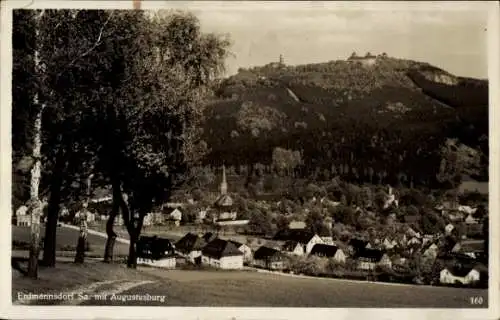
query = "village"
{"x": 455, "y": 255}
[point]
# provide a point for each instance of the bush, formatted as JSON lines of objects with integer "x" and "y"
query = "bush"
{"x": 311, "y": 266}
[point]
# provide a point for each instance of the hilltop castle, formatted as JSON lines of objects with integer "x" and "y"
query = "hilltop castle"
{"x": 279, "y": 64}
{"x": 367, "y": 60}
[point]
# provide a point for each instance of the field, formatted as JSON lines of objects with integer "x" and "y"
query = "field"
{"x": 69, "y": 237}
{"x": 253, "y": 289}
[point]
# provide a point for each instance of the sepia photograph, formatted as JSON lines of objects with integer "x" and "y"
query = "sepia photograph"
{"x": 250, "y": 154}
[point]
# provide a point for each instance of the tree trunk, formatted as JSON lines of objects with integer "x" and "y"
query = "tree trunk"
{"x": 110, "y": 241}
{"x": 35, "y": 203}
{"x": 36, "y": 173}
{"x": 49, "y": 245}
{"x": 132, "y": 254}
{"x": 82, "y": 240}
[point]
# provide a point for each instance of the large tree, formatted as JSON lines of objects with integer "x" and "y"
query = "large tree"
{"x": 71, "y": 53}
{"x": 167, "y": 67}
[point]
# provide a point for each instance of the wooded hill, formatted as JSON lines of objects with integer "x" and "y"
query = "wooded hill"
{"x": 389, "y": 120}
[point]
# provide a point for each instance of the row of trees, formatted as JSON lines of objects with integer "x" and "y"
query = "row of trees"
{"x": 114, "y": 94}
{"x": 361, "y": 154}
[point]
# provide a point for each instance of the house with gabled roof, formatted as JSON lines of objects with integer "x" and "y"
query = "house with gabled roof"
{"x": 222, "y": 254}
{"x": 400, "y": 264}
{"x": 245, "y": 249}
{"x": 449, "y": 228}
{"x": 175, "y": 217}
{"x": 304, "y": 237}
{"x": 410, "y": 232}
{"x": 293, "y": 247}
{"x": 369, "y": 259}
{"x": 459, "y": 275}
{"x": 430, "y": 251}
{"x": 269, "y": 258}
{"x": 328, "y": 251}
{"x": 387, "y": 244}
{"x": 471, "y": 220}
{"x": 466, "y": 209}
{"x": 190, "y": 247}
{"x": 356, "y": 245}
{"x": 413, "y": 241}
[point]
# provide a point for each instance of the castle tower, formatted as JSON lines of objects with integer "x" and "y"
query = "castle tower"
{"x": 223, "y": 184}
{"x": 282, "y": 60}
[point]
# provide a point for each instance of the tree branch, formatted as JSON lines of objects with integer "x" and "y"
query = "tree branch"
{"x": 96, "y": 43}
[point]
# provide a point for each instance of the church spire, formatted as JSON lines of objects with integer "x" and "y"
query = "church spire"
{"x": 223, "y": 185}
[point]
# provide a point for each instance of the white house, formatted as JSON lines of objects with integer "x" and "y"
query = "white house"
{"x": 449, "y": 228}
{"x": 471, "y": 220}
{"x": 388, "y": 244}
{"x": 269, "y": 258}
{"x": 466, "y": 209}
{"x": 369, "y": 259}
{"x": 168, "y": 262}
{"x": 176, "y": 216}
{"x": 458, "y": 276}
{"x": 190, "y": 247}
{"x": 90, "y": 217}
{"x": 430, "y": 252}
{"x": 119, "y": 220}
{"x": 147, "y": 221}
{"x": 246, "y": 250}
{"x": 293, "y": 247}
{"x": 413, "y": 241}
{"x": 22, "y": 211}
{"x": 305, "y": 238}
{"x": 201, "y": 215}
{"x": 23, "y": 219}
{"x": 158, "y": 217}
{"x": 222, "y": 254}
{"x": 328, "y": 251}
{"x": 314, "y": 240}
{"x": 411, "y": 232}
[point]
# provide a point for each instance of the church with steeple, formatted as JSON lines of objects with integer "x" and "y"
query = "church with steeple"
{"x": 224, "y": 205}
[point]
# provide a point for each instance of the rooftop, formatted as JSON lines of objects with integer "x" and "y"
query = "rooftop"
{"x": 299, "y": 235}
{"x": 190, "y": 242}
{"x": 265, "y": 252}
{"x": 324, "y": 250}
{"x": 219, "y": 248}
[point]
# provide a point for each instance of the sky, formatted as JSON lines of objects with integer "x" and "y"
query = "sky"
{"x": 451, "y": 35}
